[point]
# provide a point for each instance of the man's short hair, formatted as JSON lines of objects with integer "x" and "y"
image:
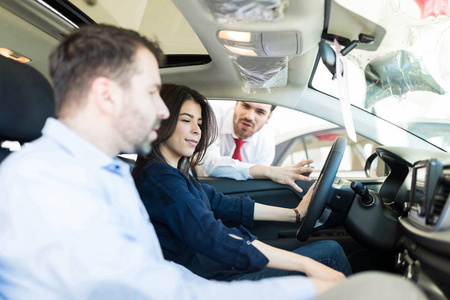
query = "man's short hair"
{"x": 272, "y": 108}
{"x": 92, "y": 51}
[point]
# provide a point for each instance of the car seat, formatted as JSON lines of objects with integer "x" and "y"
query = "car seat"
{"x": 26, "y": 101}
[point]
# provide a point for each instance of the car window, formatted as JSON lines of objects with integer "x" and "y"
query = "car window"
{"x": 317, "y": 145}
{"x": 299, "y": 135}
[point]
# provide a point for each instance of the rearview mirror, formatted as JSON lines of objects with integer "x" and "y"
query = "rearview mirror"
{"x": 328, "y": 57}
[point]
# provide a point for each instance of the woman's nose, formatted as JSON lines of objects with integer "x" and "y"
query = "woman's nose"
{"x": 196, "y": 128}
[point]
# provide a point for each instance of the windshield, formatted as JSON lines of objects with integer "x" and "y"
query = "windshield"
{"x": 406, "y": 80}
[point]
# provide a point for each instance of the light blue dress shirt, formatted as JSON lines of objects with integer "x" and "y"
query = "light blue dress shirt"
{"x": 72, "y": 226}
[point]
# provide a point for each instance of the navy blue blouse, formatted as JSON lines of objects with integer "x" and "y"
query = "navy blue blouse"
{"x": 193, "y": 222}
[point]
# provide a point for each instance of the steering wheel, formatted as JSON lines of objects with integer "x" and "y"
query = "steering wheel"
{"x": 322, "y": 191}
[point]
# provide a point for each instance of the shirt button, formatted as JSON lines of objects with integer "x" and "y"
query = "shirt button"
{"x": 249, "y": 243}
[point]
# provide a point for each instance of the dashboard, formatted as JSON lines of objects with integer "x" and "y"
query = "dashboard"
{"x": 418, "y": 190}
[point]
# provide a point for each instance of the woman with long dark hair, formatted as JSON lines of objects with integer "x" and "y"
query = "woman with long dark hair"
{"x": 204, "y": 230}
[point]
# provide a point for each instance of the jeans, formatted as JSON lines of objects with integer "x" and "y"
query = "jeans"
{"x": 329, "y": 253}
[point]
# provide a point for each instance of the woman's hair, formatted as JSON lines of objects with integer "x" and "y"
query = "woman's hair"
{"x": 174, "y": 96}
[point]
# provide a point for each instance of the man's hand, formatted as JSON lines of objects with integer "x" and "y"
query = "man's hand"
{"x": 288, "y": 175}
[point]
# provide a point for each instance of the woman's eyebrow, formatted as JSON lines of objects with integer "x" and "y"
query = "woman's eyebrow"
{"x": 186, "y": 114}
{"x": 189, "y": 115}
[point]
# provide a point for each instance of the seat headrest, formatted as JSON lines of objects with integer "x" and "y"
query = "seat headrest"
{"x": 26, "y": 101}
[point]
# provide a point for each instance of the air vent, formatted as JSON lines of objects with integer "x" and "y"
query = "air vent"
{"x": 440, "y": 198}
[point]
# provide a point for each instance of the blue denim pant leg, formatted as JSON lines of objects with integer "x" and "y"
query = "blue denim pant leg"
{"x": 330, "y": 253}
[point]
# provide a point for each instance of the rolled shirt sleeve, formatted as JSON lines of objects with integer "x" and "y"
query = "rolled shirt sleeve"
{"x": 216, "y": 165}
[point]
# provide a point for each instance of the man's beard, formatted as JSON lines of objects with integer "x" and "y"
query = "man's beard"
{"x": 143, "y": 148}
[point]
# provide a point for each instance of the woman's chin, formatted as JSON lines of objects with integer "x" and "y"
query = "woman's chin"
{"x": 189, "y": 153}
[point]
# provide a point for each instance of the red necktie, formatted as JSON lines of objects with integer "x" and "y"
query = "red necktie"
{"x": 237, "y": 151}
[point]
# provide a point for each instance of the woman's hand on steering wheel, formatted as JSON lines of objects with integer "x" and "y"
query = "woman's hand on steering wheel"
{"x": 304, "y": 203}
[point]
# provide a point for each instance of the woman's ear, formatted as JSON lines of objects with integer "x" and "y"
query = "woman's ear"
{"x": 106, "y": 95}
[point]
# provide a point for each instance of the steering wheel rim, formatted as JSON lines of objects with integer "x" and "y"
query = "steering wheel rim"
{"x": 321, "y": 192}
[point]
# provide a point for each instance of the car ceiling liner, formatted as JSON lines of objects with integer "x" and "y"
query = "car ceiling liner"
{"x": 267, "y": 67}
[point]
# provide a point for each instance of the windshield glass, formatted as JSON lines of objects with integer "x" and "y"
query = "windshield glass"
{"x": 406, "y": 80}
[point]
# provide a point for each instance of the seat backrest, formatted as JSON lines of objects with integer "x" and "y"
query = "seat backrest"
{"x": 26, "y": 101}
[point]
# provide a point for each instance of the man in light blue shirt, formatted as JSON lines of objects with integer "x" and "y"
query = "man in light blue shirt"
{"x": 72, "y": 225}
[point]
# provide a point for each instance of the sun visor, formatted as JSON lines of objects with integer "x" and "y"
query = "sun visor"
{"x": 225, "y": 11}
{"x": 261, "y": 72}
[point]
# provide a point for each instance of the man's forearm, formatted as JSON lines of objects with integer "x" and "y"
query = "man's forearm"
{"x": 260, "y": 172}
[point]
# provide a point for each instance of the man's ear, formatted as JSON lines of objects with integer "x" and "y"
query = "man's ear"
{"x": 105, "y": 94}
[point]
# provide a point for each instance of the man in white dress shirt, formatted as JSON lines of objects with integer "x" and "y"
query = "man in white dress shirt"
{"x": 245, "y": 150}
